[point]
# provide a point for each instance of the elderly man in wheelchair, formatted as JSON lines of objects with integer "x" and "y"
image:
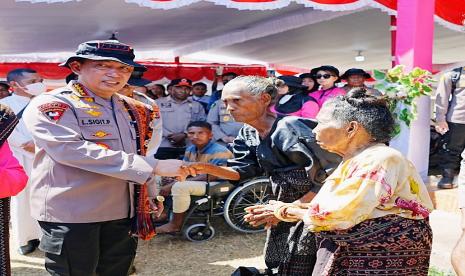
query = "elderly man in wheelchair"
{"x": 204, "y": 150}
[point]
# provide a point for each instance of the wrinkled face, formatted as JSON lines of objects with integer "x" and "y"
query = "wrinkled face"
{"x": 355, "y": 80}
{"x": 102, "y": 77}
{"x": 308, "y": 82}
{"x": 199, "y": 136}
{"x": 326, "y": 78}
{"x": 4, "y": 92}
{"x": 330, "y": 134}
{"x": 180, "y": 92}
{"x": 243, "y": 106}
{"x": 199, "y": 90}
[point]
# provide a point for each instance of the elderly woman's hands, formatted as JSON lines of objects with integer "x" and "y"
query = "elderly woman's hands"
{"x": 263, "y": 214}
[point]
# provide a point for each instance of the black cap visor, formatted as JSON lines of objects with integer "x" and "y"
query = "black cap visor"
{"x": 128, "y": 62}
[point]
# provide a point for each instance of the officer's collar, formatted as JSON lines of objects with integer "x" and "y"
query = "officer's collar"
{"x": 87, "y": 95}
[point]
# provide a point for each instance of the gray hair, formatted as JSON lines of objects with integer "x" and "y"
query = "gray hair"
{"x": 256, "y": 85}
{"x": 371, "y": 112}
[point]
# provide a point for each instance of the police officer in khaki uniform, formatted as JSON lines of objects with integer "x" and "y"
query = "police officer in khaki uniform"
{"x": 87, "y": 164}
{"x": 225, "y": 129}
{"x": 177, "y": 111}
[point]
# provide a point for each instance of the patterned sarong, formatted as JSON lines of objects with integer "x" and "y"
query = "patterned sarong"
{"x": 390, "y": 245}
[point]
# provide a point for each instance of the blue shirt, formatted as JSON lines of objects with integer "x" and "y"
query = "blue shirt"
{"x": 212, "y": 153}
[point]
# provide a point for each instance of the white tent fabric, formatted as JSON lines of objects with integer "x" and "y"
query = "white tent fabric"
{"x": 293, "y": 36}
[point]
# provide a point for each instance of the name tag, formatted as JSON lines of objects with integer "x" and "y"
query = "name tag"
{"x": 92, "y": 122}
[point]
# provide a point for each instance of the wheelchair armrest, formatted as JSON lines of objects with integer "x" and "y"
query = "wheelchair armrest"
{"x": 220, "y": 188}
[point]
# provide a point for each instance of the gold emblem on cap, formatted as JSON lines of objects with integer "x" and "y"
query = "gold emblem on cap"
{"x": 226, "y": 118}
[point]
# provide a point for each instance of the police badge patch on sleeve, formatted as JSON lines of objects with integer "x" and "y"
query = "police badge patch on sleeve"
{"x": 53, "y": 110}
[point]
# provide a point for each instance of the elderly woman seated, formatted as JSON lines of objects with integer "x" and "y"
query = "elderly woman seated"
{"x": 371, "y": 215}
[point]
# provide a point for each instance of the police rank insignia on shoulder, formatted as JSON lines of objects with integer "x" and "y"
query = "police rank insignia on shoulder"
{"x": 53, "y": 110}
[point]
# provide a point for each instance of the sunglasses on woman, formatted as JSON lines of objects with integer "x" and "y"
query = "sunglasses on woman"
{"x": 325, "y": 76}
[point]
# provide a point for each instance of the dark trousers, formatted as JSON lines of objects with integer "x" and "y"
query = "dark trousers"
{"x": 170, "y": 153}
{"x": 100, "y": 248}
{"x": 450, "y": 154}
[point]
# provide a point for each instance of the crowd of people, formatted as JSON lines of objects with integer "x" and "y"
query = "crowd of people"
{"x": 94, "y": 151}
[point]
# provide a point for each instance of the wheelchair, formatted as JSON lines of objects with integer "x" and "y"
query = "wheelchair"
{"x": 226, "y": 200}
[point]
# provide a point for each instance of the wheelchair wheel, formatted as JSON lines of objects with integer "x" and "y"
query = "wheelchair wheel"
{"x": 199, "y": 232}
{"x": 251, "y": 193}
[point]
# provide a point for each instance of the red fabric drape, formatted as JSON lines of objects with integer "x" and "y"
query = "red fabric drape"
{"x": 452, "y": 11}
{"x": 156, "y": 71}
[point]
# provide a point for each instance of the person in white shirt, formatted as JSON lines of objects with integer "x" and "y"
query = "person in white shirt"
{"x": 25, "y": 84}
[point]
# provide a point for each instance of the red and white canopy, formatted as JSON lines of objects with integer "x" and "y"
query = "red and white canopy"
{"x": 282, "y": 34}
{"x": 450, "y": 13}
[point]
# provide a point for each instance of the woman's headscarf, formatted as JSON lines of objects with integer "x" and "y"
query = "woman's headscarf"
{"x": 296, "y": 96}
{"x": 8, "y": 121}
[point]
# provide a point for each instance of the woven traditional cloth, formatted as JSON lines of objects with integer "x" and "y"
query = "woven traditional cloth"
{"x": 5, "y": 269}
{"x": 390, "y": 245}
{"x": 290, "y": 246}
{"x": 142, "y": 118}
